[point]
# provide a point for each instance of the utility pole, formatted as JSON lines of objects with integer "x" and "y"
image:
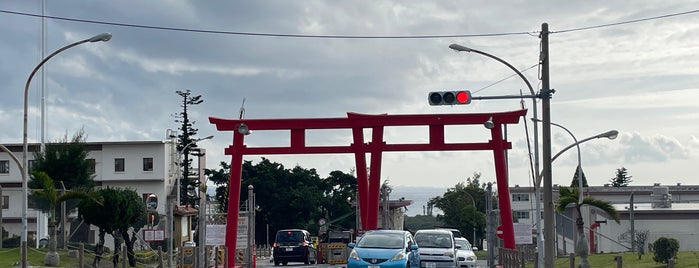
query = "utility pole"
{"x": 490, "y": 224}
{"x": 203, "y": 200}
{"x": 549, "y": 222}
{"x": 631, "y": 222}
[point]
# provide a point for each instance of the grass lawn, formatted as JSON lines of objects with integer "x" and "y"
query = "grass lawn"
{"x": 10, "y": 256}
{"x": 685, "y": 259}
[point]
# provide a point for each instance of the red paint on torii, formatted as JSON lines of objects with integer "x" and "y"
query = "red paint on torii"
{"x": 369, "y": 187}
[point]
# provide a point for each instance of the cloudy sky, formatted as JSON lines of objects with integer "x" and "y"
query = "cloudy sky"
{"x": 631, "y": 66}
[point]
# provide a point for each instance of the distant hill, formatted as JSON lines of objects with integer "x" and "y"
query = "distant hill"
{"x": 419, "y": 195}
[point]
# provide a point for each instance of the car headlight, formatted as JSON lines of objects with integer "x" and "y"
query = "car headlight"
{"x": 471, "y": 258}
{"x": 354, "y": 255}
{"x": 449, "y": 254}
{"x": 399, "y": 256}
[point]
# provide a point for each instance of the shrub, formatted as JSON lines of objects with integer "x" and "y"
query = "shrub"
{"x": 665, "y": 249}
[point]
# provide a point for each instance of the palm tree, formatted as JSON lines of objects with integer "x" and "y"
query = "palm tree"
{"x": 571, "y": 196}
{"x": 49, "y": 193}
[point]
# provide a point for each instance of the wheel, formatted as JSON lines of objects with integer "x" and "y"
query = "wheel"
{"x": 276, "y": 263}
{"x": 285, "y": 263}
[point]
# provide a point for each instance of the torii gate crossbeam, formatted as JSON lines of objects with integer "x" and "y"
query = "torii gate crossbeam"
{"x": 368, "y": 187}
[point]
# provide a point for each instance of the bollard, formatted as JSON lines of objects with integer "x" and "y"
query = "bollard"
{"x": 619, "y": 261}
{"x": 123, "y": 258}
{"x": 571, "y": 257}
{"x": 81, "y": 255}
{"x": 160, "y": 257}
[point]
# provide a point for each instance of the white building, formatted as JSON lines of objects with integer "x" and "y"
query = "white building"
{"x": 148, "y": 167}
{"x": 665, "y": 211}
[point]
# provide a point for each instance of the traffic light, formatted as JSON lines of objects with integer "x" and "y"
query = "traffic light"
{"x": 449, "y": 97}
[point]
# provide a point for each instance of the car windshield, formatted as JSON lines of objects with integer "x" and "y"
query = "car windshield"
{"x": 433, "y": 240}
{"x": 464, "y": 244}
{"x": 381, "y": 240}
{"x": 289, "y": 237}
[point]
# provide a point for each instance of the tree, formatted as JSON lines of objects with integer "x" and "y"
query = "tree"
{"x": 571, "y": 196}
{"x": 665, "y": 249}
{"x": 339, "y": 191}
{"x": 574, "y": 183}
{"x": 121, "y": 211}
{"x": 65, "y": 162}
{"x": 641, "y": 237}
{"x": 297, "y": 194}
{"x": 50, "y": 195}
{"x": 185, "y": 138}
{"x": 622, "y": 178}
{"x": 457, "y": 204}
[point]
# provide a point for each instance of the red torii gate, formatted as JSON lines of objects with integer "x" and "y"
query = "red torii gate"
{"x": 368, "y": 187}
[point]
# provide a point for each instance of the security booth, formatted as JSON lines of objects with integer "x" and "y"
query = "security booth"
{"x": 336, "y": 250}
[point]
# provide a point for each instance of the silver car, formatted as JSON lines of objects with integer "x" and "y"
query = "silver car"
{"x": 437, "y": 248}
{"x": 464, "y": 253}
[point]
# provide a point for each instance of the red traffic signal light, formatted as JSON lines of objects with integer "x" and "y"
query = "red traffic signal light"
{"x": 449, "y": 97}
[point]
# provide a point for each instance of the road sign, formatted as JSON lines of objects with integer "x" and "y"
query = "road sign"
{"x": 499, "y": 232}
{"x": 242, "y": 241}
{"x": 213, "y": 234}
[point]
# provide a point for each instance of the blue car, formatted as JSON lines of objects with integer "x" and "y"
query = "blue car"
{"x": 384, "y": 248}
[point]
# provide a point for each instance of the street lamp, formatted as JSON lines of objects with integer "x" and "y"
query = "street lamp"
{"x": 171, "y": 218}
{"x": 179, "y": 158}
{"x": 612, "y": 134}
{"x": 488, "y": 124}
{"x": 25, "y": 174}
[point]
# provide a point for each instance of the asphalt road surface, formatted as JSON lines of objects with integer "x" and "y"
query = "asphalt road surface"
{"x": 265, "y": 262}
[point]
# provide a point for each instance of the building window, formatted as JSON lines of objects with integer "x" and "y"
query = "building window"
{"x": 4, "y": 166}
{"x": 522, "y": 214}
{"x": 5, "y": 202}
{"x": 148, "y": 164}
{"x": 91, "y": 166}
{"x": 119, "y": 165}
{"x": 520, "y": 197}
{"x": 30, "y": 163}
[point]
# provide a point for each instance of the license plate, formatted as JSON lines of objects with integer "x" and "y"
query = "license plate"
{"x": 430, "y": 264}
{"x": 373, "y": 266}
{"x": 289, "y": 249}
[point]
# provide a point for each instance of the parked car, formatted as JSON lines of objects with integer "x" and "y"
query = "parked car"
{"x": 437, "y": 248}
{"x": 293, "y": 245}
{"x": 464, "y": 253}
{"x": 384, "y": 248}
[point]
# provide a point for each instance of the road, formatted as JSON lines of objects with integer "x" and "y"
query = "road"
{"x": 267, "y": 263}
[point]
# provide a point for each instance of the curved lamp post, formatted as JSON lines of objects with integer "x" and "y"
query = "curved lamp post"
{"x": 612, "y": 134}
{"x": 100, "y": 37}
{"x": 539, "y": 240}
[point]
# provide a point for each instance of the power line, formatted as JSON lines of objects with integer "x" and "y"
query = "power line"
{"x": 627, "y": 22}
{"x": 267, "y": 34}
{"x": 532, "y": 33}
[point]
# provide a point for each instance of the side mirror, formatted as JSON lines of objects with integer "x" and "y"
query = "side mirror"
{"x": 351, "y": 245}
{"x": 413, "y": 247}
{"x": 475, "y": 248}
{"x": 458, "y": 246}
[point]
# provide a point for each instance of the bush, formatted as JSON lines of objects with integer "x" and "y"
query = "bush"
{"x": 665, "y": 249}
